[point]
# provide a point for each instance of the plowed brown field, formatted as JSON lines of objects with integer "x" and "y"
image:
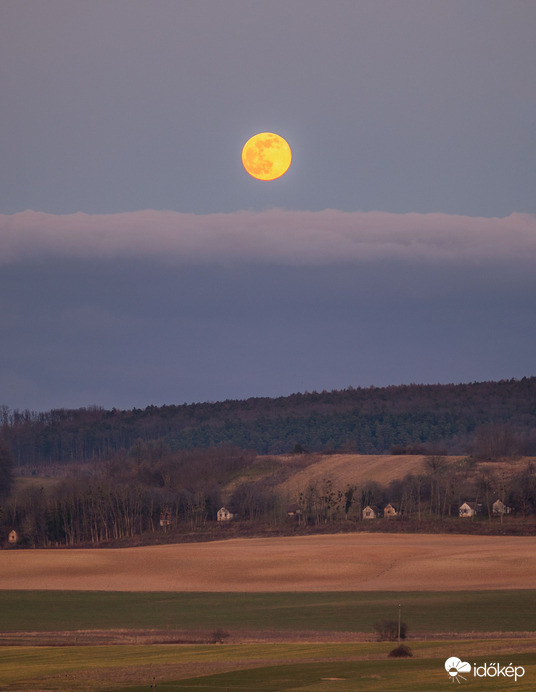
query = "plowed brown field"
{"x": 348, "y": 469}
{"x": 362, "y": 562}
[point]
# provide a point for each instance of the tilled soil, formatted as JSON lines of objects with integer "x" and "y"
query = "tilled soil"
{"x": 341, "y": 562}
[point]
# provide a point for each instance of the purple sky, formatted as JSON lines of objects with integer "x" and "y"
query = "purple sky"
{"x": 140, "y": 264}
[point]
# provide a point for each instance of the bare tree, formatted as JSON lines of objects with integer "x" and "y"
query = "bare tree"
{"x": 6, "y": 471}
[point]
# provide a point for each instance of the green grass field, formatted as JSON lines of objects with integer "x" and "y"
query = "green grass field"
{"x": 422, "y": 675}
{"x": 424, "y": 612}
{"x": 277, "y": 667}
{"x": 262, "y": 667}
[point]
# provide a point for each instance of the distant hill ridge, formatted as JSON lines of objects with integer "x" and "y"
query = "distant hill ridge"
{"x": 369, "y": 420}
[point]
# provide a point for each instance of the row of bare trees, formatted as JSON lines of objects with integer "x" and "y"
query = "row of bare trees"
{"x": 77, "y": 513}
{"x": 123, "y": 496}
{"x": 434, "y": 494}
{"x": 129, "y": 494}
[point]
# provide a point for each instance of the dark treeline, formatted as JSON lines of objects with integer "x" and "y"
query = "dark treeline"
{"x": 152, "y": 494}
{"x": 126, "y": 496}
{"x": 364, "y": 420}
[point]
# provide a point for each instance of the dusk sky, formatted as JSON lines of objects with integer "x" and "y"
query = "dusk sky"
{"x": 139, "y": 262}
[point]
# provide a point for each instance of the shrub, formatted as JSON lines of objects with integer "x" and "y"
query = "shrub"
{"x": 387, "y": 630}
{"x": 401, "y": 651}
{"x": 219, "y": 636}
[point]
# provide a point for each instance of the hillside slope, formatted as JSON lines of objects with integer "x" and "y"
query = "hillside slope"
{"x": 368, "y": 421}
{"x": 353, "y": 469}
{"x": 290, "y": 475}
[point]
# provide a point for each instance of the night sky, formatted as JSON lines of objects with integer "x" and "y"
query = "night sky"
{"x": 140, "y": 264}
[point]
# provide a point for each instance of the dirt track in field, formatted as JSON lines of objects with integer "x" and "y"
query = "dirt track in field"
{"x": 349, "y": 562}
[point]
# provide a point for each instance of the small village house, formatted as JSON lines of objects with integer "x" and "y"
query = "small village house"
{"x": 499, "y": 508}
{"x": 390, "y": 511}
{"x": 371, "y": 512}
{"x": 469, "y": 509}
{"x": 13, "y": 537}
{"x": 224, "y": 514}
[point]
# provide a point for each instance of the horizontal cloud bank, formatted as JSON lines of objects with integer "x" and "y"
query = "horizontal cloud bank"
{"x": 272, "y": 236}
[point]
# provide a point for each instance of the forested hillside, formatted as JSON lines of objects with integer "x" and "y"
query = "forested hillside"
{"x": 94, "y": 476}
{"x": 364, "y": 420}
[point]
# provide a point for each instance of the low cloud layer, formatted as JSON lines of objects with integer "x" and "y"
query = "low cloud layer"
{"x": 272, "y": 236}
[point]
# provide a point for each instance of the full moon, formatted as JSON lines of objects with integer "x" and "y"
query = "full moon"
{"x": 266, "y": 156}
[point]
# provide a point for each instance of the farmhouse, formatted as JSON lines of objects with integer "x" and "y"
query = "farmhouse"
{"x": 469, "y": 509}
{"x": 389, "y": 511}
{"x": 13, "y": 537}
{"x": 371, "y": 512}
{"x": 224, "y": 514}
{"x": 500, "y": 508}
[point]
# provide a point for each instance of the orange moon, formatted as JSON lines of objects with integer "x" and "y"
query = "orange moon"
{"x": 266, "y": 156}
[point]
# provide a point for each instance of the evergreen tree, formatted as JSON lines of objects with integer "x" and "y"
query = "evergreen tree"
{"x": 6, "y": 471}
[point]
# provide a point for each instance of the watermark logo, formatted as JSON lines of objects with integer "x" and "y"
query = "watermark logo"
{"x": 455, "y": 667}
{"x": 495, "y": 670}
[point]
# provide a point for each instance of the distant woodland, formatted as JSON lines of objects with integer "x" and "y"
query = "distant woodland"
{"x": 103, "y": 476}
{"x": 367, "y": 421}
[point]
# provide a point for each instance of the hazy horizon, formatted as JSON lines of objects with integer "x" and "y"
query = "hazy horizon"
{"x": 141, "y": 265}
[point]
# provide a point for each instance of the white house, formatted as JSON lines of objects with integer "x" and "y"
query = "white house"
{"x": 13, "y": 536}
{"x": 389, "y": 511}
{"x": 469, "y": 509}
{"x": 224, "y": 514}
{"x": 500, "y": 508}
{"x": 371, "y": 512}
